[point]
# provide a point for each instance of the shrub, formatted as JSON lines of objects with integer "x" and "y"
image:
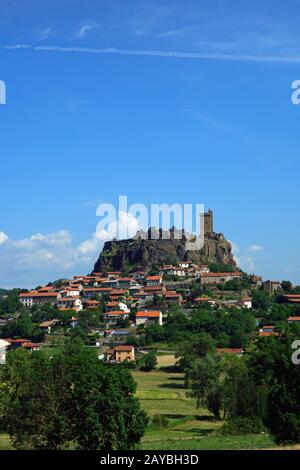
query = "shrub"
{"x": 243, "y": 425}
{"x": 160, "y": 421}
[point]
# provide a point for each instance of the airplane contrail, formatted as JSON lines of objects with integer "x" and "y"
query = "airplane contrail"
{"x": 158, "y": 53}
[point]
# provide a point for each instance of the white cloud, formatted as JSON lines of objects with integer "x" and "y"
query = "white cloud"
{"x": 255, "y": 248}
{"x": 280, "y": 59}
{"x": 85, "y": 27}
{"x": 45, "y": 33}
{"x": 243, "y": 261}
{"x": 90, "y": 246}
{"x": 41, "y": 258}
{"x": 125, "y": 226}
{"x": 3, "y": 238}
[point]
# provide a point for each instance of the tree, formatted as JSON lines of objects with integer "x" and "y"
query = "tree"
{"x": 272, "y": 370}
{"x": 11, "y": 303}
{"x": 150, "y": 361}
{"x": 22, "y": 327}
{"x": 72, "y": 397}
{"x": 189, "y": 351}
{"x": 287, "y": 286}
{"x": 206, "y": 383}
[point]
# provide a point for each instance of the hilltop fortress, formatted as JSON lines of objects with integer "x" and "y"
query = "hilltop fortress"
{"x": 144, "y": 253}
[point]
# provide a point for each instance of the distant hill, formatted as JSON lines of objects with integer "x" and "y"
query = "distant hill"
{"x": 139, "y": 254}
{"x": 3, "y": 292}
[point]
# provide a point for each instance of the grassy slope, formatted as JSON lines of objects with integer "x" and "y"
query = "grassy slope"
{"x": 189, "y": 427}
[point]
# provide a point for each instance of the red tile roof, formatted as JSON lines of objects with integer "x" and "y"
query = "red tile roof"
{"x": 229, "y": 350}
{"x": 149, "y": 313}
{"x": 221, "y": 274}
{"x": 38, "y": 294}
{"x": 116, "y": 313}
{"x": 124, "y": 348}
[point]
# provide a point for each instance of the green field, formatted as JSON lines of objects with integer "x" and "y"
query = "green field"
{"x": 188, "y": 428}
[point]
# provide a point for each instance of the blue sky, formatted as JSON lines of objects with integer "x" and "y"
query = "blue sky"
{"x": 92, "y": 114}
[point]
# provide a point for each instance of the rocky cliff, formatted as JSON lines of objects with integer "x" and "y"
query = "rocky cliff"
{"x": 144, "y": 254}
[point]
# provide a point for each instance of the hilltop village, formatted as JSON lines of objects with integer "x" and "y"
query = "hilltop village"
{"x": 125, "y": 315}
{"x": 193, "y": 348}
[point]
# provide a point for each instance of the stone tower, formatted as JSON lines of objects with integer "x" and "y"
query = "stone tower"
{"x": 208, "y": 222}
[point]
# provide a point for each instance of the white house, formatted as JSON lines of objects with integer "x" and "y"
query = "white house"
{"x": 185, "y": 264}
{"x": 73, "y": 291}
{"x": 148, "y": 316}
{"x": 70, "y": 303}
{"x": 152, "y": 281}
{"x": 116, "y": 305}
{"x": 3, "y": 350}
{"x": 42, "y": 296}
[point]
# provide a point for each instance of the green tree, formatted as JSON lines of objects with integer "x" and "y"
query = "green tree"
{"x": 206, "y": 383}
{"x": 71, "y": 397}
{"x": 272, "y": 370}
{"x": 150, "y": 361}
{"x": 189, "y": 351}
{"x": 287, "y": 286}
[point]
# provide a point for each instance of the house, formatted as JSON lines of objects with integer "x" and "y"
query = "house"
{"x": 236, "y": 351}
{"x": 158, "y": 290}
{"x": 117, "y": 293}
{"x": 28, "y": 299}
{"x": 119, "y": 335}
{"x": 88, "y": 303}
{"x": 185, "y": 264}
{"x": 22, "y": 343}
{"x": 116, "y": 305}
{"x": 115, "y": 315}
{"x": 135, "y": 289}
{"x": 120, "y": 353}
{"x": 218, "y": 278}
{"x": 112, "y": 283}
{"x": 256, "y": 281}
{"x": 124, "y": 353}
{"x": 290, "y": 298}
{"x": 88, "y": 292}
{"x": 263, "y": 334}
{"x": 272, "y": 286}
{"x": 69, "y": 291}
{"x": 202, "y": 269}
{"x": 4, "y": 345}
{"x": 152, "y": 281}
{"x": 148, "y": 316}
{"x": 294, "y": 320}
{"x": 48, "y": 325}
{"x": 242, "y": 303}
{"x": 171, "y": 297}
{"x": 70, "y": 303}
{"x": 125, "y": 282}
{"x": 140, "y": 275}
{"x": 179, "y": 272}
{"x": 203, "y": 300}
{"x": 267, "y": 328}
{"x": 246, "y": 302}
{"x": 113, "y": 274}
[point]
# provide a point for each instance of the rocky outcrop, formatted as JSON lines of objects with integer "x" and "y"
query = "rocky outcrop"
{"x": 146, "y": 254}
